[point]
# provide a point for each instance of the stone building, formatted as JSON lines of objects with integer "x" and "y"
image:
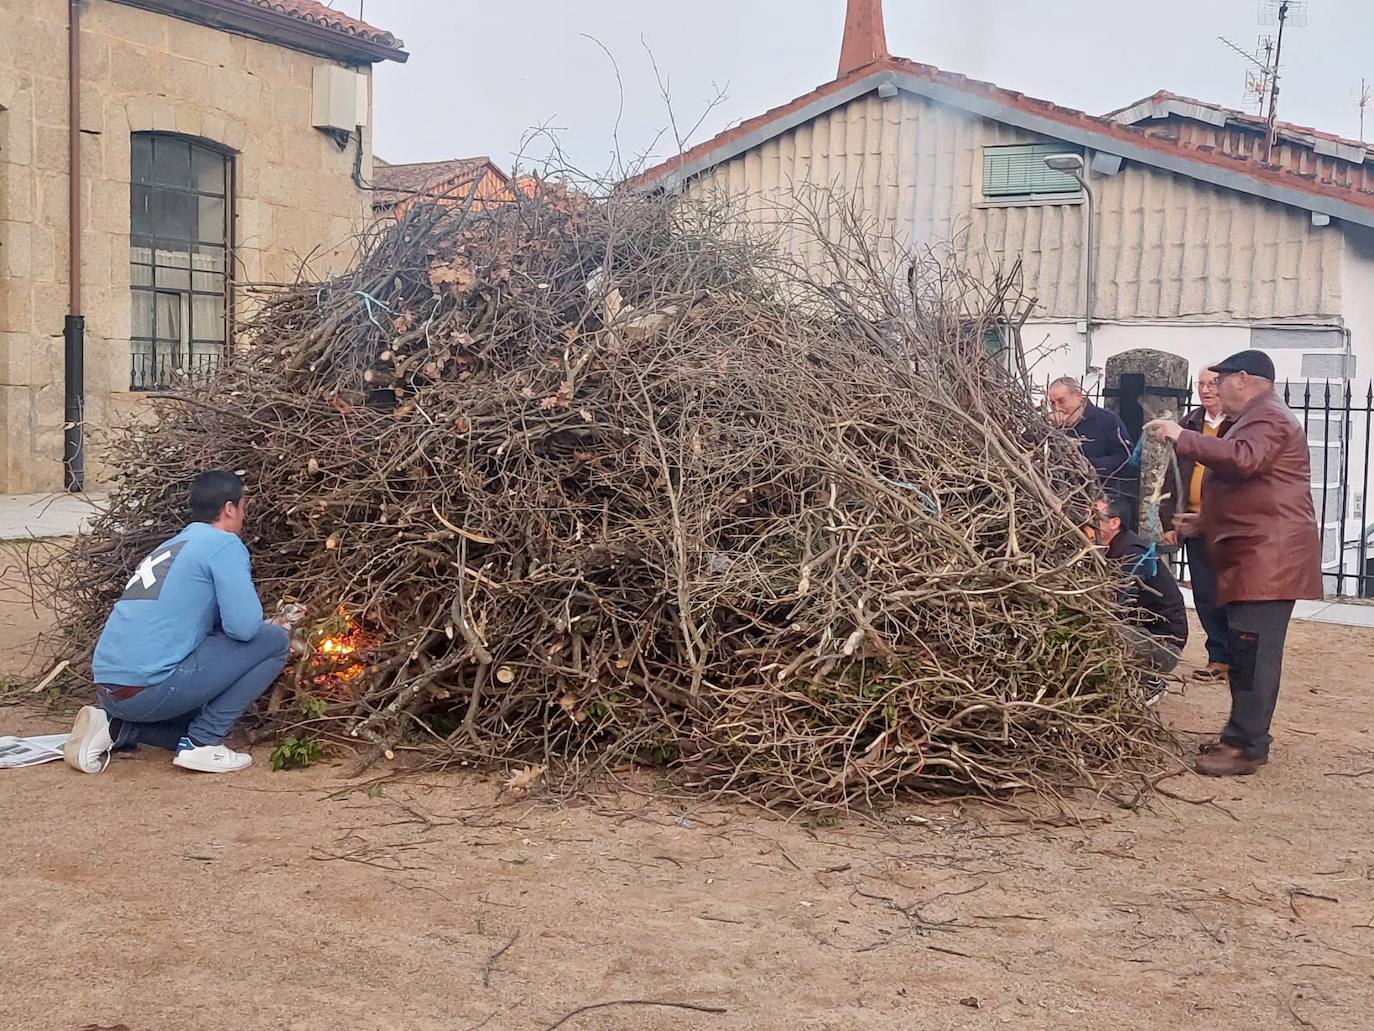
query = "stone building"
{"x": 221, "y": 143}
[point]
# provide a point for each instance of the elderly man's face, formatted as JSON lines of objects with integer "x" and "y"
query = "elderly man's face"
{"x": 1234, "y": 389}
{"x": 1207, "y": 391}
{"x": 1065, "y": 403}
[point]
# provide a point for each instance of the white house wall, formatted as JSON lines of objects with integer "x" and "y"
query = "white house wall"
{"x": 1168, "y": 246}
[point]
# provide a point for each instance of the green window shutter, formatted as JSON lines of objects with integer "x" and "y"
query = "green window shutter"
{"x": 1021, "y": 171}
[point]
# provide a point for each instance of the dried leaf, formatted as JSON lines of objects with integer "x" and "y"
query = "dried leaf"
{"x": 569, "y": 705}
{"x": 456, "y": 274}
{"x": 521, "y": 781}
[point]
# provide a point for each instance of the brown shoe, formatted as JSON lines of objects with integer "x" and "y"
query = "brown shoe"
{"x": 1223, "y": 760}
{"x": 1211, "y": 746}
{"x": 1212, "y": 673}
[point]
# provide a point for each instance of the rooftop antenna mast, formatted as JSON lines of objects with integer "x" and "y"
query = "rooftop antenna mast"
{"x": 1262, "y": 79}
{"x": 1280, "y": 13}
{"x": 1362, "y": 99}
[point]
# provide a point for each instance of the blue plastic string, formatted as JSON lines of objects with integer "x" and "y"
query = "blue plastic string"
{"x": 1135, "y": 455}
{"x": 368, "y": 302}
{"x": 1151, "y": 556}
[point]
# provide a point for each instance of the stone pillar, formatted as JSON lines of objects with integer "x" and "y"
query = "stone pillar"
{"x": 1142, "y": 385}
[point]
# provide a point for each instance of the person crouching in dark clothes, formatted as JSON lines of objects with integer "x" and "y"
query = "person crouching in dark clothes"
{"x": 1156, "y": 618}
{"x": 1210, "y": 420}
{"x": 1101, "y": 434}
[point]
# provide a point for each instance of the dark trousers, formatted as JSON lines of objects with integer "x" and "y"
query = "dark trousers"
{"x": 1211, "y": 615}
{"x": 1258, "y": 632}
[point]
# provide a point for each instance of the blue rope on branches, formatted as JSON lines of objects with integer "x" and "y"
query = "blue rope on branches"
{"x": 1135, "y": 455}
{"x": 368, "y": 302}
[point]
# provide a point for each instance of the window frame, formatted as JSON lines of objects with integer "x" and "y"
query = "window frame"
{"x": 1030, "y": 197}
{"x": 186, "y": 353}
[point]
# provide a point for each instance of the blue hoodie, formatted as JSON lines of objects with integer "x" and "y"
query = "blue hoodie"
{"x": 186, "y": 589}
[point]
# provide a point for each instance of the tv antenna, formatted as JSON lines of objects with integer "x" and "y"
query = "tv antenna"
{"x": 1262, "y": 80}
{"x": 1362, "y": 98}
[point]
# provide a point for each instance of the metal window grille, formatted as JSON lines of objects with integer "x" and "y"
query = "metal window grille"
{"x": 1020, "y": 171}
{"x": 179, "y": 245}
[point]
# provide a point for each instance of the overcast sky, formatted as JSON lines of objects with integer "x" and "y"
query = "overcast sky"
{"x": 482, "y": 73}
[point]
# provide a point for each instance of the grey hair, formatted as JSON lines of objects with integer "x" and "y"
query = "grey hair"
{"x": 1067, "y": 381}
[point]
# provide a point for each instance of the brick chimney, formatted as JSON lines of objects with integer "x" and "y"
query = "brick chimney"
{"x": 865, "y": 39}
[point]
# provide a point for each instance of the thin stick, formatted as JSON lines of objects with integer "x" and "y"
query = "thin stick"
{"x": 633, "y": 1002}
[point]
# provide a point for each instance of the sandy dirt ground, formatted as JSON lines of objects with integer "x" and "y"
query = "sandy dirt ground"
{"x": 148, "y": 899}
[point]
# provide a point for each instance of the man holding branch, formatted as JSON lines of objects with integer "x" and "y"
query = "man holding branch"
{"x": 1261, "y": 534}
{"x": 1210, "y": 420}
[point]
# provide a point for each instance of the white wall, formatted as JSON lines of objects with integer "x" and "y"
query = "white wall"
{"x": 1062, "y": 348}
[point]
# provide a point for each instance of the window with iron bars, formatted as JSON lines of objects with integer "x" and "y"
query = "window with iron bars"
{"x": 180, "y": 236}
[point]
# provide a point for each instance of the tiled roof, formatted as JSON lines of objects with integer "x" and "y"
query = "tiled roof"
{"x": 1350, "y": 197}
{"x": 1164, "y": 103}
{"x": 327, "y": 18}
{"x": 393, "y": 184}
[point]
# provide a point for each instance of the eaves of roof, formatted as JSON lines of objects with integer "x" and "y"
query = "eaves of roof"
{"x": 1272, "y": 182}
{"x": 304, "y": 25}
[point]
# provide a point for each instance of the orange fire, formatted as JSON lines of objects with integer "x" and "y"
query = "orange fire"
{"x": 329, "y": 666}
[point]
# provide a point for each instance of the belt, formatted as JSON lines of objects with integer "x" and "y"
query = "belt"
{"x": 117, "y": 693}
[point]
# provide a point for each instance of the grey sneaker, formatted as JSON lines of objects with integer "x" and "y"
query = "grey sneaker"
{"x": 88, "y": 747}
{"x": 1155, "y": 689}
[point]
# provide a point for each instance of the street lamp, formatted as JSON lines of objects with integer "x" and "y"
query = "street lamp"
{"x": 1072, "y": 164}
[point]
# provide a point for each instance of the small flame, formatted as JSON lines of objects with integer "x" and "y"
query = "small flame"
{"x": 330, "y": 666}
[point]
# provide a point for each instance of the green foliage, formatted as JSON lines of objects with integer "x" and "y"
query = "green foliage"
{"x": 311, "y": 707}
{"x": 296, "y": 753}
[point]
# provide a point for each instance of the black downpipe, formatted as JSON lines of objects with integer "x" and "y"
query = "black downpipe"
{"x": 73, "y": 455}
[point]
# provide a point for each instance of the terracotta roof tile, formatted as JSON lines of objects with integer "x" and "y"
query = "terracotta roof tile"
{"x": 392, "y": 184}
{"x": 327, "y": 18}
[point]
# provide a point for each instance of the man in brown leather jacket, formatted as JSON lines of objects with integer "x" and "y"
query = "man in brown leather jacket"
{"x": 1261, "y": 532}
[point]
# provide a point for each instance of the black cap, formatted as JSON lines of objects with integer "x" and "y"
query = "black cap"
{"x": 1256, "y": 363}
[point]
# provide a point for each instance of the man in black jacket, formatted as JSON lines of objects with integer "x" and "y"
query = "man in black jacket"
{"x": 1156, "y": 618}
{"x": 1101, "y": 434}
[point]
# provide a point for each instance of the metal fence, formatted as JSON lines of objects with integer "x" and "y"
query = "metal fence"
{"x": 1338, "y": 419}
{"x": 166, "y": 370}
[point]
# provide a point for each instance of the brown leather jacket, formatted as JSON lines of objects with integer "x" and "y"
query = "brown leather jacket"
{"x": 1257, "y": 510}
{"x": 1170, "y": 505}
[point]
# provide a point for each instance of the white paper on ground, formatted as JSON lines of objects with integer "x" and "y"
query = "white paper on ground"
{"x": 30, "y": 751}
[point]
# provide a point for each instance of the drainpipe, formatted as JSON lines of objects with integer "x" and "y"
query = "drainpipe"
{"x": 74, "y": 328}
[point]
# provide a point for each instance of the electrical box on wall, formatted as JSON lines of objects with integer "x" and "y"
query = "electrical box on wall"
{"x": 339, "y": 98}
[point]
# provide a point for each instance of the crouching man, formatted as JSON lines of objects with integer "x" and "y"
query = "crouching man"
{"x": 185, "y": 651}
{"x": 1157, "y": 620}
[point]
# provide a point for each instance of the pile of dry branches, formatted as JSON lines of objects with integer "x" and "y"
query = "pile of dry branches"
{"x": 596, "y": 482}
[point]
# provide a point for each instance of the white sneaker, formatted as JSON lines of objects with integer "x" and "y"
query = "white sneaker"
{"x": 88, "y": 747}
{"x": 211, "y": 759}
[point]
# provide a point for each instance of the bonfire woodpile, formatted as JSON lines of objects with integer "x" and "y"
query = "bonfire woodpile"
{"x": 589, "y": 482}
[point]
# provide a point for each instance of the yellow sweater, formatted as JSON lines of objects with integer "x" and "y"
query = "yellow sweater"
{"x": 1195, "y": 488}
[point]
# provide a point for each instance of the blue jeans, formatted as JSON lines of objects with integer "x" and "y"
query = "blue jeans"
{"x": 206, "y": 693}
{"x": 1211, "y": 615}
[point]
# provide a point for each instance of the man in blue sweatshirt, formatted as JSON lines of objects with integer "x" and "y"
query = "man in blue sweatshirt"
{"x": 185, "y": 651}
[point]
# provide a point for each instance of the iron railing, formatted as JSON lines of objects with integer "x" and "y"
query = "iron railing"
{"x": 164, "y": 370}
